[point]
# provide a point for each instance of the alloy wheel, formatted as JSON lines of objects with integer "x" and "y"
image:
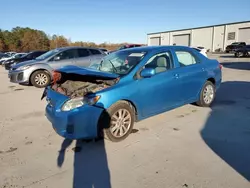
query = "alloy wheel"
{"x": 120, "y": 123}
{"x": 41, "y": 79}
{"x": 208, "y": 94}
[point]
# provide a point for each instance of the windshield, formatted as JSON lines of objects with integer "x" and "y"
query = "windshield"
{"x": 121, "y": 48}
{"x": 18, "y": 55}
{"x": 121, "y": 62}
{"x": 48, "y": 54}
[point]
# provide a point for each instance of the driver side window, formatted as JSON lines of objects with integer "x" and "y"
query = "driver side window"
{"x": 68, "y": 54}
{"x": 160, "y": 62}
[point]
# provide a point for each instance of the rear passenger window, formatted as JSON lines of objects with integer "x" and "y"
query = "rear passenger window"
{"x": 67, "y": 54}
{"x": 83, "y": 52}
{"x": 95, "y": 52}
{"x": 185, "y": 58}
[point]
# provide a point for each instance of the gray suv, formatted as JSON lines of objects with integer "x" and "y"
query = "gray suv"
{"x": 38, "y": 72}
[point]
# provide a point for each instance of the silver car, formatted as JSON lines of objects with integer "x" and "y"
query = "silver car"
{"x": 38, "y": 72}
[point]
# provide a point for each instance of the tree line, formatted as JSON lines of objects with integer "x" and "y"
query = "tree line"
{"x": 20, "y": 39}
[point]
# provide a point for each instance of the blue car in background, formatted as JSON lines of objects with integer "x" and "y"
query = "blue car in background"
{"x": 128, "y": 86}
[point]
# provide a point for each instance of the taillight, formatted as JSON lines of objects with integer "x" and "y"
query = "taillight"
{"x": 220, "y": 65}
{"x": 56, "y": 76}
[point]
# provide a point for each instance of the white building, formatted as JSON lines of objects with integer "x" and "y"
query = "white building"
{"x": 213, "y": 37}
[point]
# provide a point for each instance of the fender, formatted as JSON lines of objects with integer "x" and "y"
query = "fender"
{"x": 41, "y": 66}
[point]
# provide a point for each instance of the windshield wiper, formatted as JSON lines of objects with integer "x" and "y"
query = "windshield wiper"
{"x": 110, "y": 63}
{"x": 113, "y": 66}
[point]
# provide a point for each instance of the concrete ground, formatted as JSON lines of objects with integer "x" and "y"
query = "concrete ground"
{"x": 186, "y": 147}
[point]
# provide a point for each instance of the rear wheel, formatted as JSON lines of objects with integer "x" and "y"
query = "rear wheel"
{"x": 207, "y": 95}
{"x": 40, "y": 79}
{"x": 238, "y": 54}
{"x": 245, "y": 54}
{"x": 118, "y": 121}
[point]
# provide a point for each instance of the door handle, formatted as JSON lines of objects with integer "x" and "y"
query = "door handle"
{"x": 176, "y": 76}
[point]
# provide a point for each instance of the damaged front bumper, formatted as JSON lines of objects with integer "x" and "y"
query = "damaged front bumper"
{"x": 79, "y": 123}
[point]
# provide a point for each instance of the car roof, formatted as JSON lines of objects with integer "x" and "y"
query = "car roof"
{"x": 39, "y": 51}
{"x": 155, "y": 48}
{"x": 75, "y": 47}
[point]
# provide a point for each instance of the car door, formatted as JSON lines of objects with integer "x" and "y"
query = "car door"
{"x": 64, "y": 58}
{"x": 84, "y": 57}
{"x": 96, "y": 54}
{"x": 161, "y": 91}
{"x": 191, "y": 72}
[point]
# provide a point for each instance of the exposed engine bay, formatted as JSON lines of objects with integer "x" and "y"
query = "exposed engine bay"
{"x": 75, "y": 85}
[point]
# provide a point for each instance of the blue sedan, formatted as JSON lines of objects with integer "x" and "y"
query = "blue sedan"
{"x": 128, "y": 86}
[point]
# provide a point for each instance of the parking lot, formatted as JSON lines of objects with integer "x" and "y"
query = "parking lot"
{"x": 187, "y": 147}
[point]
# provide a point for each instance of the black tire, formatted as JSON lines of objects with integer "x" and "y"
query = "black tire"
{"x": 105, "y": 126}
{"x": 245, "y": 54}
{"x": 239, "y": 54}
{"x": 40, "y": 84}
{"x": 236, "y": 54}
{"x": 202, "y": 102}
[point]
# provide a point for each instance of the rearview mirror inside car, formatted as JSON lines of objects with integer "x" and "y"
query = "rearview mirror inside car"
{"x": 147, "y": 72}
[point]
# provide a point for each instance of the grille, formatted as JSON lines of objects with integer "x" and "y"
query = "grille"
{"x": 11, "y": 77}
{"x": 20, "y": 76}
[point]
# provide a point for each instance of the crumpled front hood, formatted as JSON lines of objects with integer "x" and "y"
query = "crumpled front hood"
{"x": 30, "y": 62}
{"x": 70, "y": 69}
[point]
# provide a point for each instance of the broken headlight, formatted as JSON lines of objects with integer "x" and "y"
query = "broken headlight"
{"x": 78, "y": 102}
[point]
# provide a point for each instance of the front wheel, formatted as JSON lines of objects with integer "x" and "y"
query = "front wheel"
{"x": 119, "y": 122}
{"x": 207, "y": 95}
{"x": 40, "y": 79}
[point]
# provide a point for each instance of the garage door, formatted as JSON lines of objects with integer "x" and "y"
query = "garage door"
{"x": 244, "y": 35}
{"x": 183, "y": 40}
{"x": 155, "y": 41}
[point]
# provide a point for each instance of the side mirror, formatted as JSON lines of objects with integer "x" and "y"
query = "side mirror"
{"x": 147, "y": 72}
